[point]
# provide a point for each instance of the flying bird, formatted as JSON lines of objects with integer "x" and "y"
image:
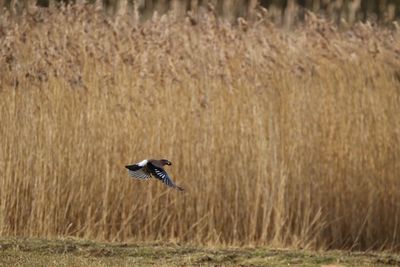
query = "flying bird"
{"x": 152, "y": 167}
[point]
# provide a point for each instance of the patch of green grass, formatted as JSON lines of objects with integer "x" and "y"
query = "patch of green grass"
{"x": 72, "y": 252}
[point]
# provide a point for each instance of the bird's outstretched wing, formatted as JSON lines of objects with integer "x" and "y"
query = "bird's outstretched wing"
{"x": 162, "y": 175}
{"x": 138, "y": 172}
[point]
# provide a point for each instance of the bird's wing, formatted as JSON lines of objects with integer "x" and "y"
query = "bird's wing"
{"x": 138, "y": 172}
{"x": 162, "y": 175}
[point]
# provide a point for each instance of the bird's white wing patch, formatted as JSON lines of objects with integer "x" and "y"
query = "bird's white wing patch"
{"x": 142, "y": 163}
{"x": 139, "y": 174}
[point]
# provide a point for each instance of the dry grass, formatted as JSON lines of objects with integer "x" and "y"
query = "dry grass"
{"x": 76, "y": 252}
{"x": 280, "y": 138}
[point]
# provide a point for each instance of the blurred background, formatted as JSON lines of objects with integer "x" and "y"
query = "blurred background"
{"x": 350, "y": 10}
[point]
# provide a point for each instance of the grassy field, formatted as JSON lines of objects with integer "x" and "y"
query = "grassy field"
{"x": 280, "y": 138}
{"x": 73, "y": 252}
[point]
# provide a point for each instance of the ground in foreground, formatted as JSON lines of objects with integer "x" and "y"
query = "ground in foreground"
{"x": 72, "y": 252}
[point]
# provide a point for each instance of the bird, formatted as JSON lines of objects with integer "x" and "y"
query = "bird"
{"x": 152, "y": 167}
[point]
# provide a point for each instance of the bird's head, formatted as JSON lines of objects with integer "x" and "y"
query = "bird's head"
{"x": 166, "y": 162}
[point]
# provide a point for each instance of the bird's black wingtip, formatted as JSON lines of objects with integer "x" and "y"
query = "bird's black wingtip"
{"x": 133, "y": 167}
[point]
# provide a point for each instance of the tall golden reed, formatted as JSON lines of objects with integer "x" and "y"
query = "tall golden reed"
{"x": 280, "y": 138}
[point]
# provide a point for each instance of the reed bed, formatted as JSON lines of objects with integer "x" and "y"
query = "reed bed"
{"x": 283, "y": 12}
{"x": 280, "y": 138}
